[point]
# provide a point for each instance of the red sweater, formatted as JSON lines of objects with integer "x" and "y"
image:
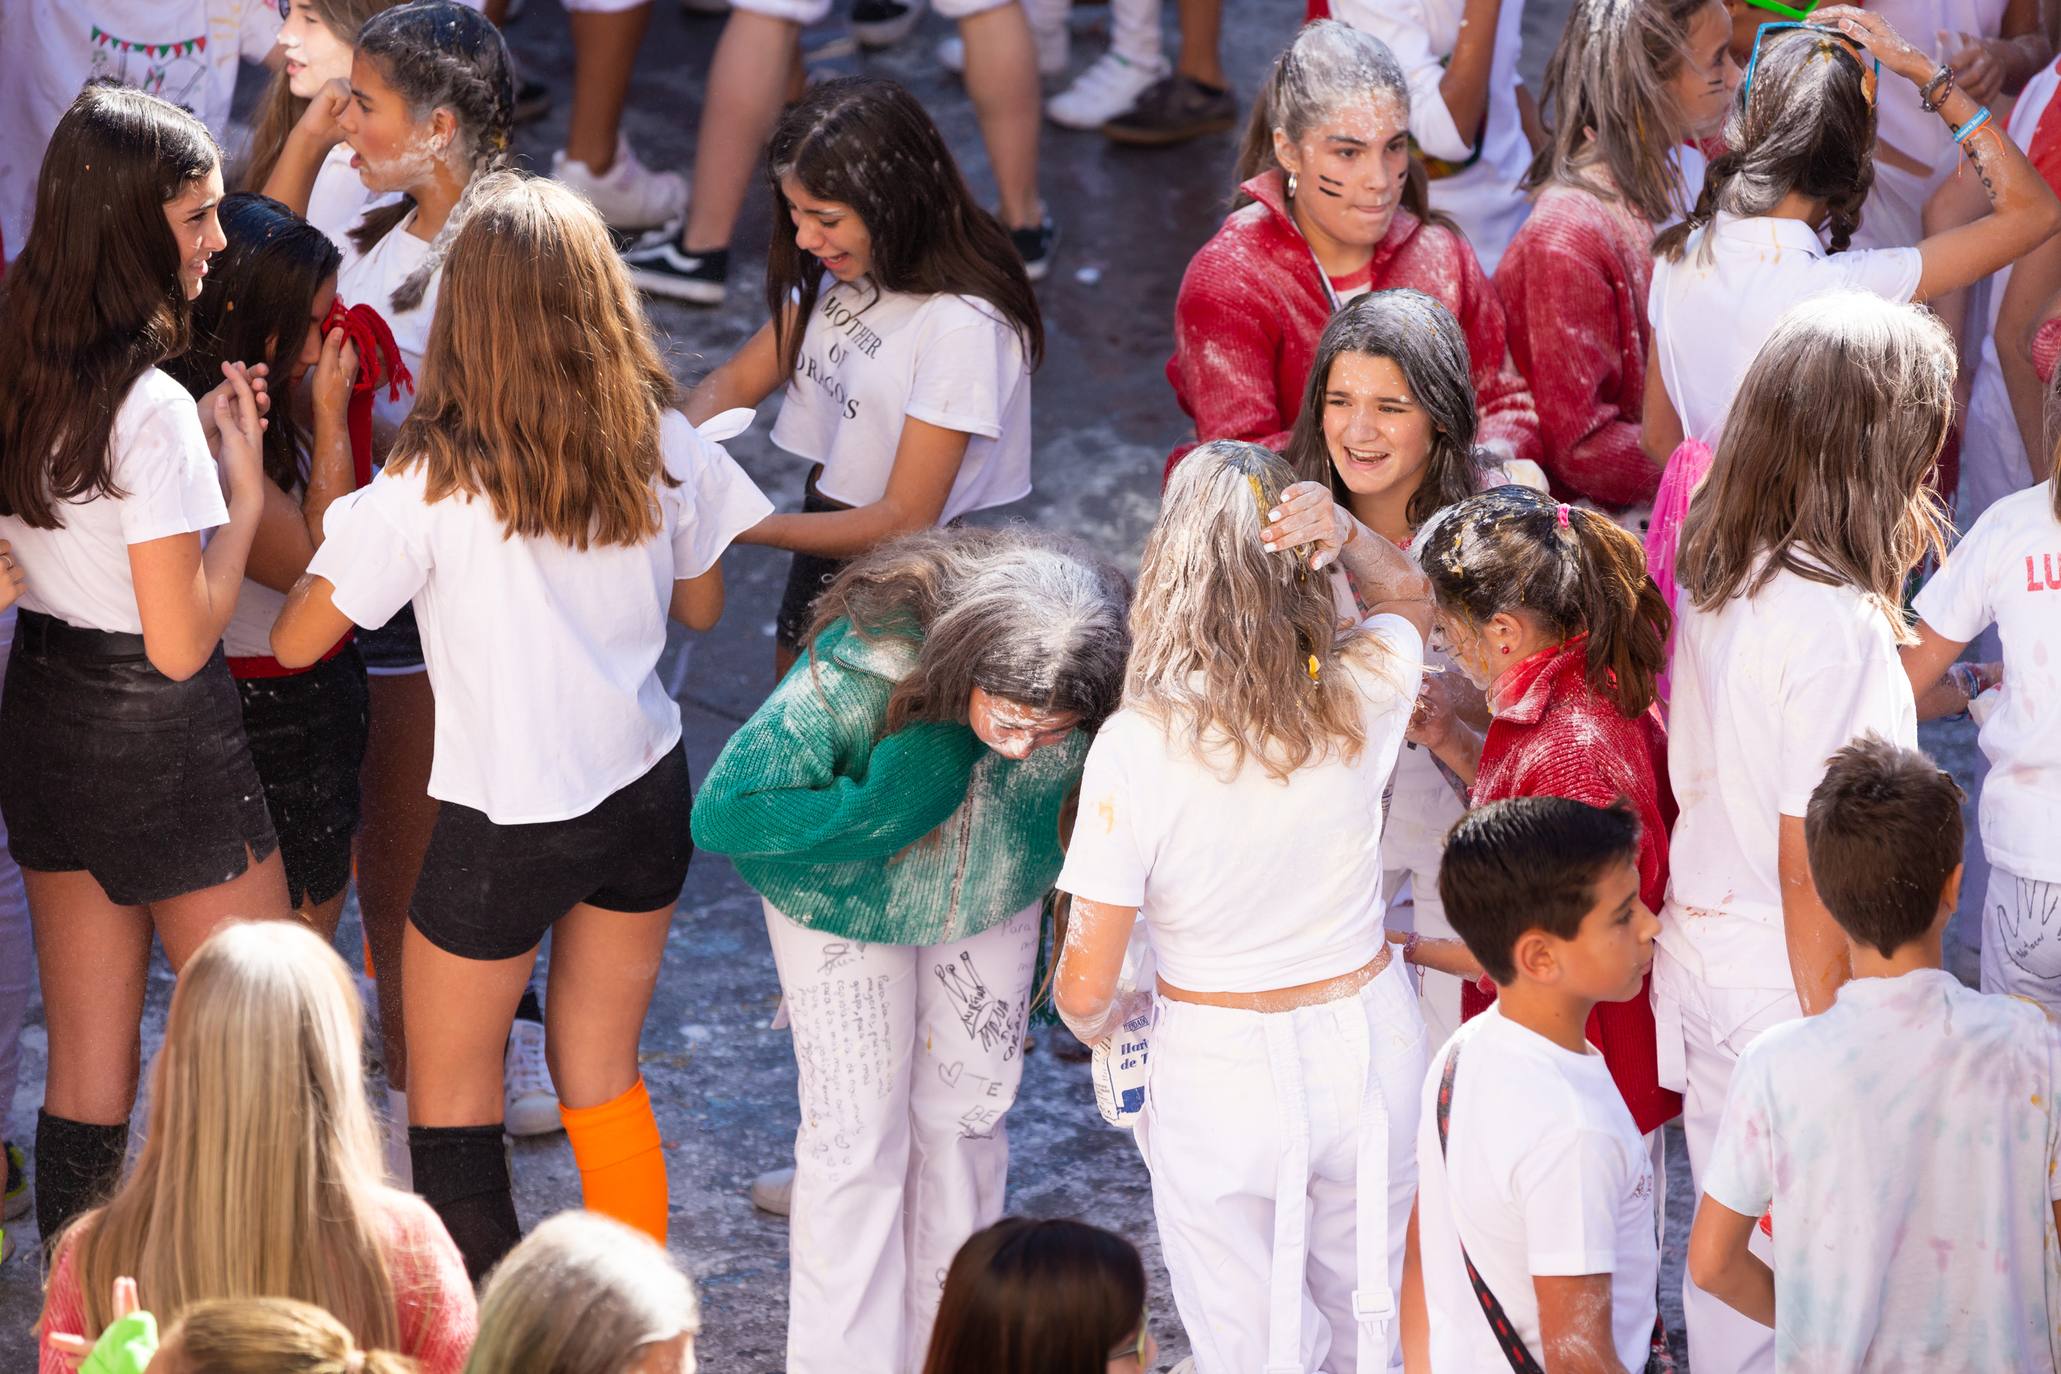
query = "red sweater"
{"x": 1573, "y": 284}
{"x": 1253, "y": 303}
{"x": 1553, "y": 736}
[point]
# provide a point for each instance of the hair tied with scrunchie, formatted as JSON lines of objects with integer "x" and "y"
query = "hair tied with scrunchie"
{"x": 354, "y": 1362}
{"x": 1560, "y": 514}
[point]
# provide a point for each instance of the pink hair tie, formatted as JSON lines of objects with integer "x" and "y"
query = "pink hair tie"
{"x": 1560, "y": 514}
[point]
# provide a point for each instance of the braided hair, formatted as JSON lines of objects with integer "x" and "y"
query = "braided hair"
{"x": 1806, "y": 124}
{"x": 438, "y": 55}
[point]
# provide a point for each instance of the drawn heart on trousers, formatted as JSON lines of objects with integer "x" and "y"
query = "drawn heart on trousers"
{"x": 950, "y": 1073}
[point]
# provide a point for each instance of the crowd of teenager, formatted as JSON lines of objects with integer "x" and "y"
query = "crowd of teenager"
{"x": 1589, "y": 490}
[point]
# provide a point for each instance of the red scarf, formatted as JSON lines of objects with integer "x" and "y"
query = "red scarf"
{"x": 379, "y": 358}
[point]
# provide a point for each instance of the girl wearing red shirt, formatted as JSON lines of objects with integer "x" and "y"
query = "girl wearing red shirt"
{"x": 1330, "y": 207}
{"x": 1549, "y": 608}
{"x": 1573, "y": 282}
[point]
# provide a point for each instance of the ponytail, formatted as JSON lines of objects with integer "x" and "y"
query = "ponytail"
{"x": 1626, "y": 617}
{"x": 1673, "y": 241}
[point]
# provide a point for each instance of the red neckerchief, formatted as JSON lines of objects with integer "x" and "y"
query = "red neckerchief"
{"x": 379, "y": 358}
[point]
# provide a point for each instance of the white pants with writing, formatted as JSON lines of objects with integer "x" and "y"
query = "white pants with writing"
{"x": 908, "y": 1058}
{"x": 2021, "y": 938}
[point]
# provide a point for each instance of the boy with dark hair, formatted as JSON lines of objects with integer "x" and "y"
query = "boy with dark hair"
{"x": 1906, "y": 1136}
{"x": 1535, "y": 1210}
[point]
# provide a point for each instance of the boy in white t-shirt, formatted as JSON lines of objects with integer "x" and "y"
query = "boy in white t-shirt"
{"x": 1907, "y": 1136}
{"x": 1534, "y": 1225}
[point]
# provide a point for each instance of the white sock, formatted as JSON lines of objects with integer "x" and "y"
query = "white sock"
{"x": 400, "y": 1166}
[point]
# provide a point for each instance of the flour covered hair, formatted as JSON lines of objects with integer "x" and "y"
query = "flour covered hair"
{"x": 1613, "y": 125}
{"x": 1328, "y": 71}
{"x": 582, "y": 1294}
{"x": 1805, "y": 125}
{"x": 1823, "y": 465}
{"x": 1023, "y": 614}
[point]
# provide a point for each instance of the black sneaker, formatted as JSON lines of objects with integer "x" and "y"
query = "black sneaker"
{"x": 884, "y": 23}
{"x": 1174, "y": 110}
{"x": 658, "y": 265}
{"x": 1034, "y": 246}
{"x": 532, "y": 101}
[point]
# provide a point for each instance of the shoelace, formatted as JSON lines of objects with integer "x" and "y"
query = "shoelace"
{"x": 527, "y": 1071}
{"x": 379, "y": 358}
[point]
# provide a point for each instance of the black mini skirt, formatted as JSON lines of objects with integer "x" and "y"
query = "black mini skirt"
{"x": 113, "y": 768}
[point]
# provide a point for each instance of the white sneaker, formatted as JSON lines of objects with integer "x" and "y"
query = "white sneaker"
{"x": 1109, "y": 87}
{"x": 629, "y": 195}
{"x": 531, "y": 1103}
{"x": 1053, "y": 46}
{"x": 773, "y": 1191}
{"x": 400, "y": 1164}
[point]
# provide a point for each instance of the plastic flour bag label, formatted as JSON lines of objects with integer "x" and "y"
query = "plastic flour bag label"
{"x": 1121, "y": 1058}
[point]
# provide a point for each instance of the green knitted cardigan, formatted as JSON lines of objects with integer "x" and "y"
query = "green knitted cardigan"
{"x": 923, "y": 836}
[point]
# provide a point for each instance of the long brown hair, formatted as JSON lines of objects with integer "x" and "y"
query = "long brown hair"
{"x": 1822, "y": 467}
{"x": 1037, "y": 1297}
{"x": 1420, "y": 336}
{"x": 1607, "y": 105}
{"x": 438, "y": 55}
{"x": 280, "y": 109}
{"x": 94, "y": 301}
{"x": 1326, "y": 68}
{"x": 865, "y": 142}
{"x": 1804, "y": 125}
{"x": 1570, "y": 569}
{"x": 541, "y": 388}
{"x": 1019, "y": 613}
{"x": 260, "y": 1171}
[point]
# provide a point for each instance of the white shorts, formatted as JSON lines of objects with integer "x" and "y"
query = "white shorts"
{"x": 806, "y": 12}
{"x": 601, "y": 6}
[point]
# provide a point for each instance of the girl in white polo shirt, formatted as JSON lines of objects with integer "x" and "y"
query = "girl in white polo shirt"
{"x": 1792, "y": 566}
{"x": 1235, "y": 802}
{"x": 544, "y": 546}
{"x": 130, "y": 799}
{"x": 903, "y": 333}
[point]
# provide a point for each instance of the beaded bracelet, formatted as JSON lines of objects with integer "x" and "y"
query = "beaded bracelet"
{"x": 1935, "y": 91}
{"x": 1981, "y": 118}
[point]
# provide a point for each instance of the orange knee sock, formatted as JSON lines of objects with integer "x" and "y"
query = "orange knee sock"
{"x": 622, "y": 1169}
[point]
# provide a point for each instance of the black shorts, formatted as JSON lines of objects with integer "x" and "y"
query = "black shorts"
{"x": 307, "y": 738}
{"x": 490, "y": 891}
{"x": 807, "y": 575}
{"x": 395, "y": 648}
{"x": 115, "y": 769}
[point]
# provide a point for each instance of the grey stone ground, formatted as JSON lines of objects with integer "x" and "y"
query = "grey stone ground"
{"x": 723, "y": 1083}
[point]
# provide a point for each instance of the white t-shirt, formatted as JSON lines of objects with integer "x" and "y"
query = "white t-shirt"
{"x": 169, "y": 484}
{"x": 1203, "y": 858}
{"x": 867, "y": 362}
{"x": 1766, "y": 689}
{"x": 339, "y": 197}
{"x": 2007, "y": 572}
{"x": 369, "y": 279}
{"x": 1544, "y": 1175}
{"x": 542, "y": 656}
{"x": 186, "y": 51}
{"x": 1483, "y": 198}
{"x": 1713, "y": 310}
{"x": 1907, "y": 1138}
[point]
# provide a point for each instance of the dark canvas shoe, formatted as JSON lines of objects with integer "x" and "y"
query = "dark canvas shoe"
{"x": 1034, "y": 246}
{"x": 1174, "y": 110}
{"x": 658, "y": 266}
{"x": 884, "y": 23}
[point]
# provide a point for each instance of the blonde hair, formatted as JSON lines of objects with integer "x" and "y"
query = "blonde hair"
{"x": 270, "y": 1336}
{"x": 541, "y": 388}
{"x": 260, "y": 1169}
{"x": 1823, "y": 465}
{"x": 1224, "y": 635}
{"x": 582, "y": 1294}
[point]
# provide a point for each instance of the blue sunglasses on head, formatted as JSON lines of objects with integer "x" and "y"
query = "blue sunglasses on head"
{"x": 1869, "y": 77}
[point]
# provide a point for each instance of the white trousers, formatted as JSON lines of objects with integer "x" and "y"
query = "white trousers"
{"x": 2021, "y": 938}
{"x": 1438, "y": 994}
{"x": 1281, "y": 1145}
{"x": 908, "y": 1057}
{"x": 1700, "y": 1031}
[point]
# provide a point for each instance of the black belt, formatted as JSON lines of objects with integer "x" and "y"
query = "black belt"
{"x": 35, "y": 632}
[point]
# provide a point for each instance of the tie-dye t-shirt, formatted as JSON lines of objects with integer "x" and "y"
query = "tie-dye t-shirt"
{"x": 1907, "y": 1140}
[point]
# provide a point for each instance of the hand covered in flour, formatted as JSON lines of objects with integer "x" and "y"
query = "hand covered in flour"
{"x": 1976, "y": 67}
{"x": 1875, "y": 35}
{"x": 1434, "y": 721}
{"x": 1307, "y": 514}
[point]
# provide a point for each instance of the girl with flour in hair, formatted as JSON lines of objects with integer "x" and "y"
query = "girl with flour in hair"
{"x": 1330, "y": 207}
{"x": 902, "y": 339}
{"x": 1235, "y": 803}
{"x": 898, "y": 804}
{"x": 545, "y": 548}
{"x": 1630, "y": 87}
{"x": 1388, "y": 427}
{"x": 1792, "y": 571}
{"x": 131, "y": 802}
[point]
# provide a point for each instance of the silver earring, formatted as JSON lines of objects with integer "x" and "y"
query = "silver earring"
{"x": 1291, "y": 186}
